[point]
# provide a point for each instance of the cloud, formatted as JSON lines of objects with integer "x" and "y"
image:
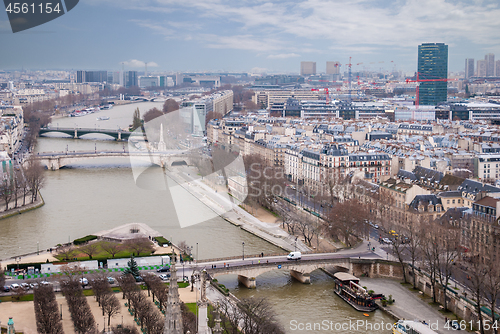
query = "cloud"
{"x": 285, "y": 26}
{"x": 139, "y": 63}
{"x": 283, "y": 56}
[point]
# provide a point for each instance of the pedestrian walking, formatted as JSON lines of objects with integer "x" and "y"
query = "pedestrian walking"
{"x": 259, "y": 261}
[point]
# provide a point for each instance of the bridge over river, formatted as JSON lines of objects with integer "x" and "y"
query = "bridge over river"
{"x": 56, "y": 160}
{"x": 78, "y": 132}
{"x": 357, "y": 263}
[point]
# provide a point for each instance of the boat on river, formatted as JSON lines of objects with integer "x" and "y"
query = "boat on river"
{"x": 347, "y": 287}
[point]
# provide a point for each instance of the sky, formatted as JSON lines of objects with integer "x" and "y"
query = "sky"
{"x": 260, "y": 36}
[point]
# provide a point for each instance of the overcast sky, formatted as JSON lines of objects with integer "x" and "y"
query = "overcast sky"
{"x": 245, "y": 35}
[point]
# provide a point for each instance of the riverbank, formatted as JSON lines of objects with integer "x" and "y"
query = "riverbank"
{"x": 217, "y": 199}
{"x": 22, "y": 209}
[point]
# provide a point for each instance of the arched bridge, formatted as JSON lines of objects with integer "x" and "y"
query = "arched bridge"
{"x": 248, "y": 269}
{"x": 78, "y": 132}
{"x": 56, "y": 160}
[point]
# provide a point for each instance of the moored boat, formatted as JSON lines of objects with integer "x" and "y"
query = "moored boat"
{"x": 347, "y": 287}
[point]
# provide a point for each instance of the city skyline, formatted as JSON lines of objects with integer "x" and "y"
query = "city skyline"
{"x": 253, "y": 36}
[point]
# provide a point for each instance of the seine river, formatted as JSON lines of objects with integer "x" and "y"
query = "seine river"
{"x": 92, "y": 196}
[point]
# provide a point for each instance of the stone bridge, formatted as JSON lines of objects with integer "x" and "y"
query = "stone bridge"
{"x": 302, "y": 269}
{"x": 78, "y": 132}
{"x": 57, "y": 160}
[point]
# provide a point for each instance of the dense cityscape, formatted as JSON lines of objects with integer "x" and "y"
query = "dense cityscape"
{"x": 361, "y": 195}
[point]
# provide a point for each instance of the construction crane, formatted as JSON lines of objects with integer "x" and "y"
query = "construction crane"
{"x": 327, "y": 94}
{"x": 418, "y": 81}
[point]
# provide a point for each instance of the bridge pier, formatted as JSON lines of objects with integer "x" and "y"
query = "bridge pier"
{"x": 301, "y": 277}
{"x": 119, "y": 136}
{"x": 54, "y": 164}
{"x": 76, "y": 134}
{"x": 249, "y": 282}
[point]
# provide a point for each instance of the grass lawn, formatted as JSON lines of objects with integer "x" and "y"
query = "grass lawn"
{"x": 191, "y": 307}
{"x": 25, "y": 298}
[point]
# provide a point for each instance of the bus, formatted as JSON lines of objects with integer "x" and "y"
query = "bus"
{"x": 411, "y": 327}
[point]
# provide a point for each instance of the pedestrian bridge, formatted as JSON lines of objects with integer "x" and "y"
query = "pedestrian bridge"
{"x": 78, "y": 132}
{"x": 57, "y": 160}
{"x": 302, "y": 269}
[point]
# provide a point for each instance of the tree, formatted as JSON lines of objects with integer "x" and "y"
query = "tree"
{"x": 413, "y": 247}
{"x": 66, "y": 252}
{"x": 448, "y": 251}
{"x": 48, "y": 319}
{"x": 258, "y": 317}
{"x": 7, "y": 190}
{"x": 90, "y": 249}
{"x": 398, "y": 249}
{"x": 111, "y": 247}
{"x": 140, "y": 245}
{"x": 136, "y": 121}
{"x": 132, "y": 268}
{"x": 110, "y": 305}
{"x": 170, "y": 105}
{"x": 34, "y": 176}
{"x": 429, "y": 242}
{"x": 346, "y": 219}
{"x": 492, "y": 279}
{"x": 188, "y": 319}
{"x": 152, "y": 114}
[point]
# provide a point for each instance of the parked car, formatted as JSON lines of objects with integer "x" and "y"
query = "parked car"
{"x": 84, "y": 281}
{"x": 15, "y": 286}
{"x": 164, "y": 277}
{"x": 111, "y": 280}
{"x": 163, "y": 270}
{"x": 387, "y": 241}
{"x": 44, "y": 283}
{"x": 6, "y": 288}
{"x": 455, "y": 325}
{"x": 33, "y": 285}
{"x": 25, "y": 286}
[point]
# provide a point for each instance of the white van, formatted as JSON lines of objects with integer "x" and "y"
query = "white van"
{"x": 294, "y": 256}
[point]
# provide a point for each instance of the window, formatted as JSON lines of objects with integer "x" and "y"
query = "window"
{"x": 448, "y": 202}
{"x": 453, "y": 201}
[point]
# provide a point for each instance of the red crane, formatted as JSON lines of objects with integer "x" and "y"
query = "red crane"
{"x": 417, "y": 97}
{"x": 327, "y": 94}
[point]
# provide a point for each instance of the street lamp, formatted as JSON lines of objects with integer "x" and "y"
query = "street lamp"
{"x": 243, "y": 244}
{"x": 61, "y": 311}
{"x": 37, "y": 248}
{"x": 196, "y": 261}
{"x": 296, "y": 243}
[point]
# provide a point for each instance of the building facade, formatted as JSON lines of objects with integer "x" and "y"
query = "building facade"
{"x": 307, "y": 68}
{"x": 432, "y": 65}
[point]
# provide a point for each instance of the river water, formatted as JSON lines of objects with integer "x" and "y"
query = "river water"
{"x": 92, "y": 196}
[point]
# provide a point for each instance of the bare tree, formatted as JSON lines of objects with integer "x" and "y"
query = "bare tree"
{"x": 492, "y": 278}
{"x": 170, "y": 105}
{"x": 110, "y": 305}
{"x": 347, "y": 219}
{"x": 111, "y": 247}
{"x": 2, "y": 276}
{"x": 476, "y": 284}
{"x": 140, "y": 245}
{"x": 188, "y": 319}
{"x": 67, "y": 252}
{"x": 7, "y": 190}
{"x": 35, "y": 177}
{"x": 48, "y": 320}
{"x": 152, "y": 114}
{"x": 429, "y": 242}
{"x": 413, "y": 247}
{"x": 90, "y": 249}
{"x": 399, "y": 247}
{"x": 448, "y": 251}
{"x": 258, "y": 317}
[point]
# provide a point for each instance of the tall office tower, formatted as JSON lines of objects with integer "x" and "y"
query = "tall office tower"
{"x": 332, "y": 67}
{"x": 497, "y": 68}
{"x": 80, "y": 76}
{"x": 131, "y": 79}
{"x": 481, "y": 68}
{"x": 307, "y": 68}
{"x": 433, "y": 64}
{"x": 469, "y": 68}
{"x": 490, "y": 64}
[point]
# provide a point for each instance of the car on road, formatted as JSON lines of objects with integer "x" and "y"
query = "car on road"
{"x": 33, "y": 285}
{"x": 84, "y": 281}
{"x": 163, "y": 270}
{"x": 375, "y": 225}
{"x": 387, "y": 241}
{"x": 6, "y": 288}
{"x": 25, "y": 286}
{"x": 44, "y": 283}
{"x": 15, "y": 286}
{"x": 164, "y": 277}
{"x": 294, "y": 256}
{"x": 111, "y": 280}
